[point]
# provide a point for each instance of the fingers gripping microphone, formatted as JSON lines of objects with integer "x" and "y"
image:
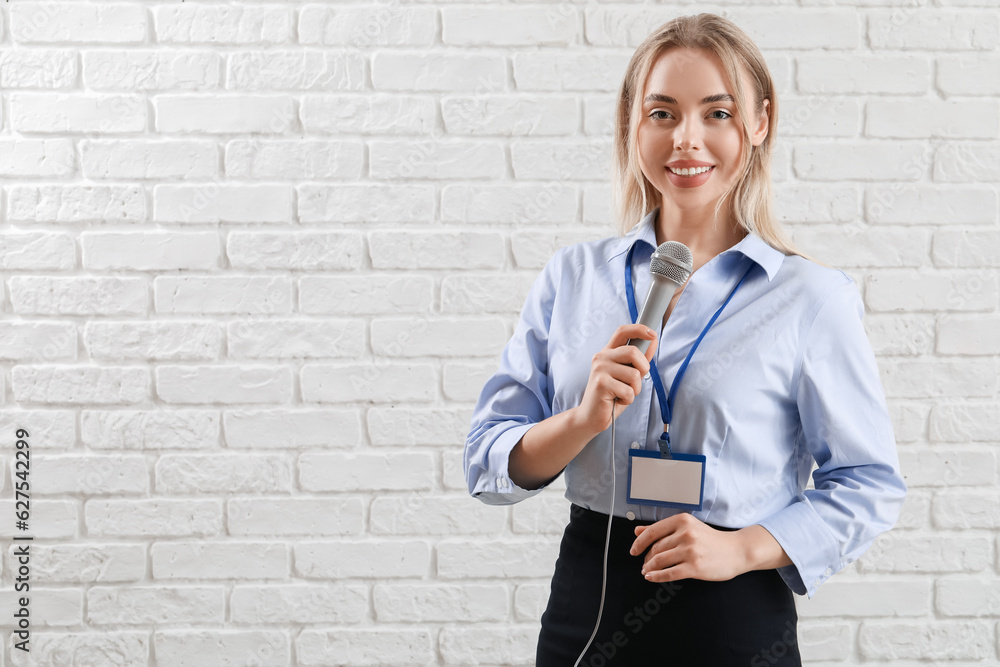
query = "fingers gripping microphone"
{"x": 670, "y": 268}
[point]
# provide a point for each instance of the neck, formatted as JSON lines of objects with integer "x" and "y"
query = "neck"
{"x": 704, "y": 239}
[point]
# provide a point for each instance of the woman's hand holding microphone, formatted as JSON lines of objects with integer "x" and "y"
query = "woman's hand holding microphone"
{"x": 616, "y": 372}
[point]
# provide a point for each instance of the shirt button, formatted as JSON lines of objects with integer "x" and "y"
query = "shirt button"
{"x": 502, "y": 482}
{"x": 827, "y": 572}
{"x": 635, "y": 445}
{"x": 630, "y": 516}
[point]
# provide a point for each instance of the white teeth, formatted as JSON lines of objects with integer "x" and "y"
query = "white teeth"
{"x": 689, "y": 172}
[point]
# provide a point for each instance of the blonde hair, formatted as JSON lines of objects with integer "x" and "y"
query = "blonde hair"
{"x": 751, "y": 194}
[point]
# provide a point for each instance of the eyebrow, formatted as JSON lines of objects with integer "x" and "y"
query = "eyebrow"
{"x": 718, "y": 97}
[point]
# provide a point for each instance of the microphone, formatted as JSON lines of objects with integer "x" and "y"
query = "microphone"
{"x": 670, "y": 268}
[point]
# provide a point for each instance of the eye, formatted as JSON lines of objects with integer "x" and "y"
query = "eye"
{"x": 725, "y": 114}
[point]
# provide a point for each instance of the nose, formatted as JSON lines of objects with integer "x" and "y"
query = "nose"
{"x": 687, "y": 134}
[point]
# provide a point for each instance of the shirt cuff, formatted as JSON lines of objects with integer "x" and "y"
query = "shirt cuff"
{"x": 813, "y": 550}
{"x": 499, "y": 488}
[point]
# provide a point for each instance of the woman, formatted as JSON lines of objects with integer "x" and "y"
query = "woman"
{"x": 785, "y": 377}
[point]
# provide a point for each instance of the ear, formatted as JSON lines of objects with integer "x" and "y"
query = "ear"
{"x": 760, "y": 132}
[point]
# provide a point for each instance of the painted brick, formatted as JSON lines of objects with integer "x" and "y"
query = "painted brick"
{"x": 80, "y": 384}
{"x": 284, "y": 339}
{"x": 894, "y": 74}
{"x": 444, "y": 515}
{"x": 81, "y": 563}
{"x": 150, "y": 251}
{"x": 366, "y": 203}
{"x": 153, "y": 340}
{"x": 193, "y": 24}
{"x": 37, "y": 251}
{"x": 918, "y": 29}
{"x": 39, "y": 67}
{"x": 371, "y": 558}
{"x": 222, "y": 647}
{"x": 369, "y": 113}
{"x": 939, "y": 640}
{"x": 152, "y": 517}
{"x": 504, "y": 644}
{"x": 91, "y": 475}
{"x": 219, "y": 560}
{"x": 965, "y": 422}
{"x": 38, "y": 341}
{"x": 317, "y": 648}
{"x": 364, "y": 295}
{"x": 554, "y": 71}
{"x": 41, "y": 22}
{"x": 254, "y": 295}
{"x": 73, "y": 112}
{"x": 143, "y": 605}
{"x": 36, "y": 157}
{"x": 78, "y": 295}
{"x": 294, "y": 516}
{"x": 123, "y": 649}
{"x": 152, "y": 429}
{"x": 550, "y": 203}
{"x": 222, "y": 473}
{"x": 153, "y": 159}
{"x": 223, "y": 114}
{"x": 76, "y": 203}
{"x": 416, "y": 426}
{"x": 380, "y": 381}
{"x": 553, "y": 25}
{"x": 361, "y": 472}
{"x": 227, "y": 384}
{"x": 222, "y": 203}
{"x": 151, "y": 70}
{"x": 429, "y": 71}
{"x": 393, "y": 25}
{"x": 440, "y": 603}
{"x": 295, "y": 70}
{"x": 897, "y": 551}
{"x": 279, "y": 604}
{"x": 461, "y": 559}
{"x": 278, "y": 429}
{"x": 869, "y": 597}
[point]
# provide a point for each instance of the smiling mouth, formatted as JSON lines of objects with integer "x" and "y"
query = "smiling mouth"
{"x": 691, "y": 171}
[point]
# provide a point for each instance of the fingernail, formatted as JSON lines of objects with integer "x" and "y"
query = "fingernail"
{"x": 650, "y": 331}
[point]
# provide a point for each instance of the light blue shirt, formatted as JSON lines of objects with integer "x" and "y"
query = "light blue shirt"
{"x": 785, "y": 377}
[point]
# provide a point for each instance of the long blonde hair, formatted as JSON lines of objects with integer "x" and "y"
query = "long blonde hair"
{"x": 751, "y": 195}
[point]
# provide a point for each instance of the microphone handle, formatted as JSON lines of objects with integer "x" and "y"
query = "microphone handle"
{"x": 660, "y": 293}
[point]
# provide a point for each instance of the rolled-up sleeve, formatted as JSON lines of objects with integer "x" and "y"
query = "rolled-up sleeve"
{"x": 859, "y": 489}
{"x": 514, "y": 399}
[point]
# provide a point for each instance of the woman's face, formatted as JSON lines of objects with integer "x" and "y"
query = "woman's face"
{"x": 689, "y": 120}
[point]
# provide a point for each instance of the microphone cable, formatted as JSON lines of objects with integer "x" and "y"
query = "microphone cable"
{"x": 607, "y": 539}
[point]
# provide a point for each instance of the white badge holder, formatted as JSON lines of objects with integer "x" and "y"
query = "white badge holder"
{"x": 665, "y": 479}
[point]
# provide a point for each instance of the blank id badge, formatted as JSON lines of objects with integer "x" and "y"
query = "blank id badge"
{"x": 677, "y": 481}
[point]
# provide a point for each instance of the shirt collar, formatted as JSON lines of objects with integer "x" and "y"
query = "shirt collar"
{"x": 752, "y": 245}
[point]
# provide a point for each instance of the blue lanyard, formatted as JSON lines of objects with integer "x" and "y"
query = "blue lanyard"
{"x": 667, "y": 402}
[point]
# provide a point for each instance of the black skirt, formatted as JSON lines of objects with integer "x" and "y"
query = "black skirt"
{"x": 749, "y": 620}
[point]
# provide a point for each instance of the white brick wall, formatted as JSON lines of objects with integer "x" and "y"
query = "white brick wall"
{"x": 258, "y": 259}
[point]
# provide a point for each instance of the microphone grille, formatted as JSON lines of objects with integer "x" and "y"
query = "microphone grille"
{"x": 672, "y": 260}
